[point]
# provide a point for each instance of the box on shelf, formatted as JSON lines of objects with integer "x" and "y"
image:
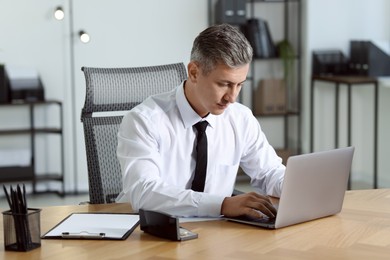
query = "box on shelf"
{"x": 25, "y": 84}
{"x": 230, "y": 11}
{"x": 270, "y": 97}
{"x": 329, "y": 62}
{"x": 4, "y": 87}
{"x": 369, "y": 59}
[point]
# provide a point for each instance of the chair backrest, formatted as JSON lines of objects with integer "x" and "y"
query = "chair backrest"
{"x": 108, "y": 92}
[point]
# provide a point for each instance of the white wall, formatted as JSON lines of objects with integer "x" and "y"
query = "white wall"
{"x": 332, "y": 24}
{"x": 39, "y": 41}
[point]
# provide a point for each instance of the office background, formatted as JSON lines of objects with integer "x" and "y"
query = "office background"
{"x": 137, "y": 33}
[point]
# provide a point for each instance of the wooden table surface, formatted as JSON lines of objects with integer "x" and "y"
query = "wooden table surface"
{"x": 360, "y": 231}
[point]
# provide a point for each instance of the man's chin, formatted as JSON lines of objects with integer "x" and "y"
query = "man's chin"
{"x": 217, "y": 112}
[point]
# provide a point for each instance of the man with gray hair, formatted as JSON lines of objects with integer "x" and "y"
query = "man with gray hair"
{"x": 180, "y": 151}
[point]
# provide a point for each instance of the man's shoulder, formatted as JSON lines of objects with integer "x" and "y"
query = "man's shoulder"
{"x": 156, "y": 105}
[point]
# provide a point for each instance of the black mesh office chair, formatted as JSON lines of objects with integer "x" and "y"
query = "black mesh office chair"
{"x": 109, "y": 93}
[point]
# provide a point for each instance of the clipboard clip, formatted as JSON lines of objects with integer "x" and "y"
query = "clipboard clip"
{"x": 83, "y": 234}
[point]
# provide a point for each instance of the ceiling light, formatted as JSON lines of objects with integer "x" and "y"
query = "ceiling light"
{"x": 59, "y": 13}
{"x": 84, "y": 37}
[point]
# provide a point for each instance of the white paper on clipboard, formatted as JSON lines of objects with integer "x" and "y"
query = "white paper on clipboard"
{"x": 95, "y": 226}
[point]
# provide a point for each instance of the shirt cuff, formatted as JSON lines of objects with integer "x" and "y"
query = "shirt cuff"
{"x": 210, "y": 205}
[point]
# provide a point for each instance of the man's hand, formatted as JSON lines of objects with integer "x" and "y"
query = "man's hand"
{"x": 251, "y": 204}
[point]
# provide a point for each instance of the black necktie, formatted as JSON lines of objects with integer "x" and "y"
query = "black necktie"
{"x": 201, "y": 157}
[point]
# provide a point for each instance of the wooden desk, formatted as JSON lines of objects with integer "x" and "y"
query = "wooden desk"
{"x": 360, "y": 231}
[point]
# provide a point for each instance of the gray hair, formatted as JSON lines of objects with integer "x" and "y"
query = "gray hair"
{"x": 223, "y": 44}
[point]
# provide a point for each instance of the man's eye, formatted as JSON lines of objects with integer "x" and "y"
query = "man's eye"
{"x": 223, "y": 84}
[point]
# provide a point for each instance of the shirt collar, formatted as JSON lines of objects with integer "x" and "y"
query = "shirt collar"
{"x": 188, "y": 115}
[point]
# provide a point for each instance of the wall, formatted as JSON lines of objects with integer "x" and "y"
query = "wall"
{"x": 123, "y": 33}
{"x": 331, "y": 25}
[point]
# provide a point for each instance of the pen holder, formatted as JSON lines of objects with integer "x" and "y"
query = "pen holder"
{"x": 22, "y": 232}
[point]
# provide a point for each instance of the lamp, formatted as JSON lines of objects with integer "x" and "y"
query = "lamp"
{"x": 59, "y": 13}
{"x": 84, "y": 37}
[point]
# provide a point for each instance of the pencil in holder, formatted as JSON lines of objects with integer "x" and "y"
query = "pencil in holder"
{"x": 22, "y": 232}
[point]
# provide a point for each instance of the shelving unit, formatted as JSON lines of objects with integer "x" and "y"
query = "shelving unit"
{"x": 284, "y": 24}
{"x": 28, "y": 172}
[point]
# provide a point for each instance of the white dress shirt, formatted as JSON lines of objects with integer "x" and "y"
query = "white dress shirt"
{"x": 156, "y": 143}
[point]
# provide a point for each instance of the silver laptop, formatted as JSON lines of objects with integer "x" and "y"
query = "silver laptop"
{"x": 314, "y": 187}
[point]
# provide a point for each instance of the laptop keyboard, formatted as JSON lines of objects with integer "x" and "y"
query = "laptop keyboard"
{"x": 258, "y": 220}
{"x": 264, "y": 220}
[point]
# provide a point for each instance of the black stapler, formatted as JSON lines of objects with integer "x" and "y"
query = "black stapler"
{"x": 164, "y": 225}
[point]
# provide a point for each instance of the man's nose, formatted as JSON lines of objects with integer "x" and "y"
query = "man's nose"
{"x": 232, "y": 94}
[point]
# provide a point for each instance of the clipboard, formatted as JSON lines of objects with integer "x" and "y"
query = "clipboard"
{"x": 85, "y": 225}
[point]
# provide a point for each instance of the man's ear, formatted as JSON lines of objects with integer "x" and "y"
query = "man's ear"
{"x": 193, "y": 71}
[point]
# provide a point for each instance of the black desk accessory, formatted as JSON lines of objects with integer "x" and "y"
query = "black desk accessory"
{"x": 164, "y": 225}
{"x": 21, "y": 224}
